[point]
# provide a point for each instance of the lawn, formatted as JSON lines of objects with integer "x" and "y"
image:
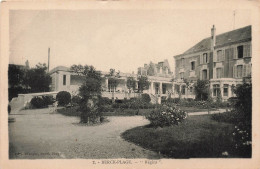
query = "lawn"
{"x": 196, "y": 137}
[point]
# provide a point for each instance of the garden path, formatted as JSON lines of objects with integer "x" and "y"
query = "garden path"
{"x": 37, "y": 134}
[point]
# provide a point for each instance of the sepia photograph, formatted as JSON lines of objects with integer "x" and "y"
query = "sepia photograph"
{"x": 124, "y": 84}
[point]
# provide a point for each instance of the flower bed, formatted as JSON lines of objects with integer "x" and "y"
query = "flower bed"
{"x": 166, "y": 116}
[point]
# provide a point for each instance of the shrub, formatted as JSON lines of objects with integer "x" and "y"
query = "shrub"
{"x": 166, "y": 116}
{"x": 105, "y": 100}
{"x": 145, "y": 98}
{"x": 63, "y": 98}
{"x": 48, "y": 100}
{"x": 75, "y": 100}
{"x": 38, "y": 102}
{"x": 173, "y": 100}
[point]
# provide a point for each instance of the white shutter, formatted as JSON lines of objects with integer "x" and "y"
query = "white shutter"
{"x": 248, "y": 69}
{"x": 244, "y": 71}
{"x": 235, "y": 52}
{"x": 249, "y": 50}
{"x": 234, "y": 71}
{"x": 245, "y": 50}
{"x": 223, "y": 55}
{"x": 222, "y": 73}
{"x": 200, "y": 74}
{"x": 201, "y": 59}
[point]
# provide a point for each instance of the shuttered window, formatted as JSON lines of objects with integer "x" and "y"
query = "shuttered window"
{"x": 182, "y": 90}
{"x": 219, "y": 55}
{"x": 247, "y": 50}
{"x": 225, "y": 89}
{"x": 239, "y": 71}
{"x": 204, "y": 74}
{"x": 182, "y": 62}
{"x": 216, "y": 90}
{"x": 181, "y": 75}
{"x": 205, "y": 58}
{"x": 64, "y": 80}
{"x": 219, "y": 72}
{"x": 192, "y": 65}
{"x": 240, "y": 52}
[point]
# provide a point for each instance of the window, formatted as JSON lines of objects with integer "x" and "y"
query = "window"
{"x": 205, "y": 58}
{"x": 181, "y": 75}
{"x": 182, "y": 90}
{"x": 191, "y": 89}
{"x": 204, "y": 74}
{"x": 192, "y": 65}
{"x": 219, "y": 55}
{"x": 216, "y": 90}
{"x": 239, "y": 71}
{"x": 240, "y": 51}
{"x": 182, "y": 62}
{"x": 64, "y": 79}
{"x": 157, "y": 88}
{"x": 219, "y": 72}
{"x": 225, "y": 90}
{"x": 177, "y": 88}
{"x": 164, "y": 88}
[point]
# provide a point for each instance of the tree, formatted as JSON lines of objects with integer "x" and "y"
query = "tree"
{"x": 15, "y": 76}
{"x": 202, "y": 91}
{"x": 143, "y": 84}
{"x": 90, "y": 93}
{"x": 37, "y": 79}
{"x": 15, "y": 81}
{"x": 131, "y": 83}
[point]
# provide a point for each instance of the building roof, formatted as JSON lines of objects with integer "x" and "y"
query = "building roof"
{"x": 59, "y": 68}
{"x": 235, "y": 36}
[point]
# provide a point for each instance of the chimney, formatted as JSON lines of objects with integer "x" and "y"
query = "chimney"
{"x": 213, "y": 37}
{"x": 48, "y": 59}
{"x": 27, "y": 64}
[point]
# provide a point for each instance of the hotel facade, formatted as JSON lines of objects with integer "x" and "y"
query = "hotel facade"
{"x": 224, "y": 60}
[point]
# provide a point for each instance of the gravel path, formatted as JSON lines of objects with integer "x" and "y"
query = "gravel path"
{"x": 36, "y": 134}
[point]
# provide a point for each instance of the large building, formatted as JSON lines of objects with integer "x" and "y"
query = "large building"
{"x": 223, "y": 59}
{"x": 159, "y": 77}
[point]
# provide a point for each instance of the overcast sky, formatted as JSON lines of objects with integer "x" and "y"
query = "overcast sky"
{"x": 120, "y": 39}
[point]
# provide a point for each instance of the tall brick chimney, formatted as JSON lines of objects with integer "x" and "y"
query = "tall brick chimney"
{"x": 213, "y": 37}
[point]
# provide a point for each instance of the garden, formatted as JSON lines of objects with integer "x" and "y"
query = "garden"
{"x": 171, "y": 131}
{"x": 175, "y": 135}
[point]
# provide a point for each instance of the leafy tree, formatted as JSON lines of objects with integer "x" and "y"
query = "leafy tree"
{"x": 131, "y": 83}
{"x": 37, "y": 79}
{"x": 90, "y": 93}
{"x": 143, "y": 84}
{"x": 202, "y": 91}
{"x": 15, "y": 76}
{"x": 243, "y": 104}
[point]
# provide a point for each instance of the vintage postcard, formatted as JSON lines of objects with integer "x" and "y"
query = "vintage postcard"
{"x": 129, "y": 84}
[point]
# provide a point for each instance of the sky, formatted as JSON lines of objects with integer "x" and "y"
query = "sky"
{"x": 119, "y": 39}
